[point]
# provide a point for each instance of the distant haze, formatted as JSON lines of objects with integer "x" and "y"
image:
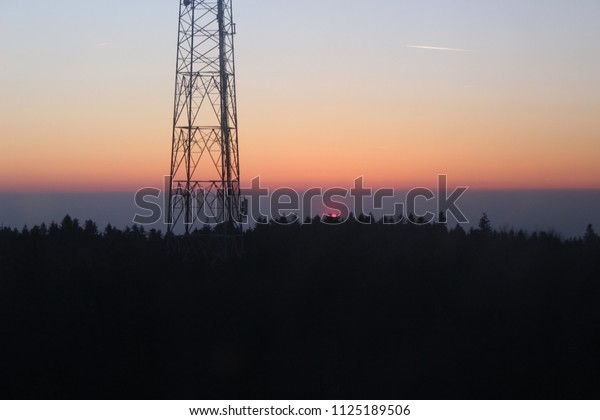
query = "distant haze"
{"x": 565, "y": 212}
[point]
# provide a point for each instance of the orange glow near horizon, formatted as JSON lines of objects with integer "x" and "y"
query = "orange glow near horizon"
{"x": 403, "y": 150}
{"x": 409, "y": 153}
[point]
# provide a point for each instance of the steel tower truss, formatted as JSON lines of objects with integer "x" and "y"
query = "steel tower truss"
{"x": 205, "y": 176}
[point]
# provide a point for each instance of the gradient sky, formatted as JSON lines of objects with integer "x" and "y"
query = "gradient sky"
{"x": 328, "y": 90}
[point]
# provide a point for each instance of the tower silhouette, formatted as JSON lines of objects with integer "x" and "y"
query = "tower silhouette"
{"x": 204, "y": 183}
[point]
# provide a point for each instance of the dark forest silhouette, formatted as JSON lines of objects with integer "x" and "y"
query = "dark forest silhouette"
{"x": 310, "y": 311}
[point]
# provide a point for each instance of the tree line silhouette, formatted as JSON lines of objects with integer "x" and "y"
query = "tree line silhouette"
{"x": 310, "y": 310}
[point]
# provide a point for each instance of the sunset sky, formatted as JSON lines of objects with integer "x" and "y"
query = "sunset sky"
{"x": 496, "y": 94}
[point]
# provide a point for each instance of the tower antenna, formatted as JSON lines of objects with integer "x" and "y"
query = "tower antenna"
{"x": 204, "y": 182}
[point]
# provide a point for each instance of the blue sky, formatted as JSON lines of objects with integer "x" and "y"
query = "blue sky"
{"x": 86, "y": 92}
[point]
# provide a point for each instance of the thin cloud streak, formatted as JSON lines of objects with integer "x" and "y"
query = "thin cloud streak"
{"x": 428, "y": 47}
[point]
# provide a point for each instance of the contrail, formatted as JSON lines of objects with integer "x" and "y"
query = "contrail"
{"x": 427, "y": 47}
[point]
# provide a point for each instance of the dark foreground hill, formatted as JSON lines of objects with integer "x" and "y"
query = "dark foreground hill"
{"x": 310, "y": 311}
